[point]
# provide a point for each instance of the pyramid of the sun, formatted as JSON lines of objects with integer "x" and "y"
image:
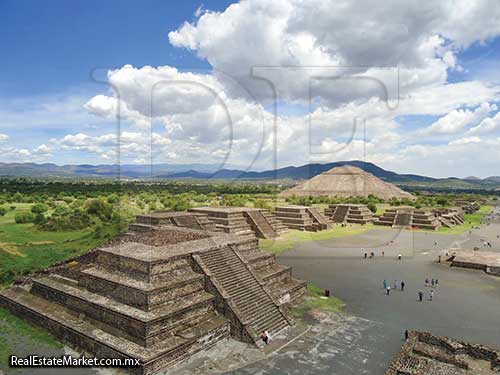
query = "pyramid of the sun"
{"x": 346, "y": 181}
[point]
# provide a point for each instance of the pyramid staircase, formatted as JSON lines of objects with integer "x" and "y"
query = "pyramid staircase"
{"x": 277, "y": 225}
{"x": 318, "y": 218}
{"x": 340, "y": 214}
{"x": 260, "y": 224}
{"x": 277, "y": 278}
{"x": 250, "y": 302}
{"x": 403, "y": 219}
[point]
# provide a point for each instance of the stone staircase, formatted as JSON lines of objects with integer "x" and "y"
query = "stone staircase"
{"x": 260, "y": 224}
{"x": 340, "y": 214}
{"x": 277, "y": 225}
{"x": 253, "y": 305}
{"x": 318, "y": 218}
{"x": 276, "y": 278}
{"x": 402, "y": 220}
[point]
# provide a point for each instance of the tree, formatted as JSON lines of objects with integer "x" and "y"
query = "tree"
{"x": 3, "y": 211}
{"x": 372, "y": 207}
{"x": 39, "y": 208}
{"x": 99, "y": 208}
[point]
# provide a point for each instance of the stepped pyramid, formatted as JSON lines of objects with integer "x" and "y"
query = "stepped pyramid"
{"x": 346, "y": 181}
{"x": 245, "y": 222}
{"x": 160, "y": 293}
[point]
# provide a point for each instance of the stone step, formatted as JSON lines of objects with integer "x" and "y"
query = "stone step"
{"x": 267, "y": 322}
{"x": 242, "y": 287}
{"x": 275, "y": 273}
{"x": 249, "y": 307}
{"x": 86, "y": 336}
{"x": 142, "y": 327}
{"x": 136, "y": 293}
{"x": 139, "y": 269}
{"x": 293, "y": 288}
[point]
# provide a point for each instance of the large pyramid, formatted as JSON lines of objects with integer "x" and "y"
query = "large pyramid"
{"x": 347, "y": 181}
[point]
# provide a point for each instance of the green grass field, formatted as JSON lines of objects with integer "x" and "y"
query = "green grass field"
{"x": 289, "y": 239}
{"x": 315, "y": 300}
{"x": 24, "y": 248}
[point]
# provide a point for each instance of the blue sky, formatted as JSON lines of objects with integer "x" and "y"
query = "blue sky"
{"x": 61, "y": 59}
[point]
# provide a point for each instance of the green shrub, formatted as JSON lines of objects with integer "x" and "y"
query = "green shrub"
{"x": 3, "y": 211}
{"x": 23, "y": 217}
{"x": 39, "y": 208}
{"x": 372, "y": 207}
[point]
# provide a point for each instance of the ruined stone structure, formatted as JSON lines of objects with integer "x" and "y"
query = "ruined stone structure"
{"x": 349, "y": 213}
{"x": 426, "y": 354}
{"x": 301, "y": 218}
{"x": 408, "y": 217}
{"x": 346, "y": 181}
{"x": 449, "y": 217}
{"x": 243, "y": 221}
{"x": 469, "y": 206}
{"x": 179, "y": 219}
{"x": 486, "y": 261}
{"x": 159, "y": 294}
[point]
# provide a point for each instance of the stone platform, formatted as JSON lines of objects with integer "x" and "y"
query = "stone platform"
{"x": 426, "y": 354}
{"x": 159, "y": 294}
{"x": 349, "y": 213}
{"x": 408, "y": 218}
{"x": 486, "y": 261}
{"x": 179, "y": 219}
{"x": 449, "y": 217}
{"x": 303, "y": 218}
{"x": 246, "y": 222}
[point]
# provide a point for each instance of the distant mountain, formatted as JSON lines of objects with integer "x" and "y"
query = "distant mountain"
{"x": 493, "y": 179}
{"x": 104, "y": 170}
{"x": 212, "y": 171}
{"x": 304, "y": 172}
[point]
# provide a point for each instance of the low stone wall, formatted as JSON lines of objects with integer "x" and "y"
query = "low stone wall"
{"x": 439, "y": 349}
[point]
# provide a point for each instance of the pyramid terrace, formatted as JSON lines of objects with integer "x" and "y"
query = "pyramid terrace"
{"x": 302, "y": 218}
{"x": 349, "y": 213}
{"x": 243, "y": 221}
{"x": 160, "y": 294}
{"x": 408, "y": 217}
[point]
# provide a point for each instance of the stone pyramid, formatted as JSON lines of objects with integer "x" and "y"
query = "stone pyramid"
{"x": 347, "y": 181}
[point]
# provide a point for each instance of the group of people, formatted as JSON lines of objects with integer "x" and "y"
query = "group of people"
{"x": 433, "y": 283}
{"x": 372, "y": 255}
{"x": 387, "y": 286}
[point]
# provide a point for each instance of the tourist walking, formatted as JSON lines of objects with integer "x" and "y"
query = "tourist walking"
{"x": 436, "y": 282}
{"x": 388, "y": 289}
{"x": 366, "y": 255}
{"x": 385, "y": 284}
{"x": 420, "y": 295}
{"x": 431, "y": 294}
{"x": 426, "y": 282}
{"x": 264, "y": 337}
{"x": 406, "y": 335}
{"x": 402, "y": 286}
{"x": 432, "y": 283}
